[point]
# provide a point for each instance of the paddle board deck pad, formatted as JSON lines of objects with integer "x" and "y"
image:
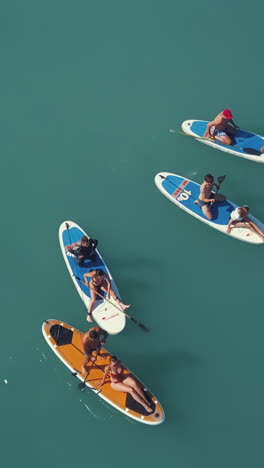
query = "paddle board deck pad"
{"x": 245, "y": 144}
{"x": 183, "y": 192}
{"x": 107, "y": 316}
{"x": 66, "y": 342}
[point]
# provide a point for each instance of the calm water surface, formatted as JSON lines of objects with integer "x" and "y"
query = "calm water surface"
{"x": 89, "y": 92}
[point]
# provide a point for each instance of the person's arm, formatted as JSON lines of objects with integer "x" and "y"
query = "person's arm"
{"x": 105, "y": 335}
{"x": 203, "y": 197}
{"x": 216, "y": 185}
{"x": 87, "y": 275}
{"x": 208, "y": 130}
{"x": 85, "y": 338}
{"x": 100, "y": 383}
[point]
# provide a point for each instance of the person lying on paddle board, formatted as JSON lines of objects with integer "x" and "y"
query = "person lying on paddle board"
{"x": 239, "y": 218}
{"x": 100, "y": 280}
{"x": 84, "y": 250}
{"x": 92, "y": 343}
{"x": 124, "y": 383}
{"x": 206, "y": 197}
{"x": 222, "y": 128}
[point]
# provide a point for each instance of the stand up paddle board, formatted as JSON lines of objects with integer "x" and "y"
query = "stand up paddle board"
{"x": 245, "y": 144}
{"x": 66, "y": 342}
{"x": 183, "y": 192}
{"x": 108, "y": 316}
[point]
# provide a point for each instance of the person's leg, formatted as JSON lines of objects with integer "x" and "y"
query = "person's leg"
{"x": 85, "y": 364}
{"x": 207, "y": 212}
{"x": 114, "y": 296}
{"x": 120, "y": 387}
{"x": 226, "y": 140}
{"x": 262, "y": 149}
{"x": 132, "y": 383}
{"x": 94, "y": 297}
{"x": 255, "y": 228}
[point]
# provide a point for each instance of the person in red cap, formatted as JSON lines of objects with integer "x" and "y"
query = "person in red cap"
{"x": 219, "y": 128}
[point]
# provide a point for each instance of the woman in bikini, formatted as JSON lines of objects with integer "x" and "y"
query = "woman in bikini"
{"x": 100, "y": 280}
{"x": 239, "y": 218}
{"x": 124, "y": 383}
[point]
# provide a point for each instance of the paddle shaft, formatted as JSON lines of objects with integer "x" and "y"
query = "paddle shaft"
{"x": 246, "y": 150}
{"x": 118, "y": 308}
{"x": 93, "y": 364}
{"x": 207, "y": 139}
{"x": 102, "y": 297}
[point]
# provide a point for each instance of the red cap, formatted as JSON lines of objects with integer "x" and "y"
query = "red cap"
{"x": 227, "y": 114}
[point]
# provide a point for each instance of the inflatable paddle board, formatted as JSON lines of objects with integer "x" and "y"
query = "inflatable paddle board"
{"x": 183, "y": 192}
{"x": 245, "y": 144}
{"x": 66, "y": 342}
{"x": 108, "y": 316}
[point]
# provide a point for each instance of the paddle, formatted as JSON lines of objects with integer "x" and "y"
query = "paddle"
{"x": 251, "y": 151}
{"x": 139, "y": 324}
{"x": 220, "y": 179}
{"x": 81, "y": 385}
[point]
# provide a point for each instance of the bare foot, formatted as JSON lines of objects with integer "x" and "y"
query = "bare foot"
{"x": 196, "y": 202}
{"x": 89, "y": 318}
{"x": 148, "y": 409}
{"x": 125, "y": 306}
{"x": 262, "y": 149}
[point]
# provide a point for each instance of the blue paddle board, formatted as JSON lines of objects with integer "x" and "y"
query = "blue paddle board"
{"x": 107, "y": 315}
{"x": 184, "y": 192}
{"x": 245, "y": 144}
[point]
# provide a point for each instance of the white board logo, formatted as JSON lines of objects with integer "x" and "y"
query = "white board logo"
{"x": 184, "y": 195}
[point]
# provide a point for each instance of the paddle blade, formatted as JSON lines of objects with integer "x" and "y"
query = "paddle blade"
{"x": 221, "y": 179}
{"x": 140, "y": 325}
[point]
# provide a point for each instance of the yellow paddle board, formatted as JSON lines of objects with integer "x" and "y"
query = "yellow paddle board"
{"x": 66, "y": 342}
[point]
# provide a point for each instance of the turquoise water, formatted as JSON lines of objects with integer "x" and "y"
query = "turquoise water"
{"x": 89, "y": 92}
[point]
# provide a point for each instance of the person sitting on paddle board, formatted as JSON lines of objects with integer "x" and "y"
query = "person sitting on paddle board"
{"x": 239, "y": 218}
{"x": 84, "y": 250}
{"x": 220, "y": 127}
{"x": 206, "y": 197}
{"x": 100, "y": 280}
{"x": 124, "y": 383}
{"x": 92, "y": 343}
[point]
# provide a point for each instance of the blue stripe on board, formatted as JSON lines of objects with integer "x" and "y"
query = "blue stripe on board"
{"x": 242, "y": 139}
{"x": 70, "y": 236}
{"x": 187, "y": 197}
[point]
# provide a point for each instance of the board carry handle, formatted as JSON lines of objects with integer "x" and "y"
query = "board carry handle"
{"x": 139, "y": 324}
